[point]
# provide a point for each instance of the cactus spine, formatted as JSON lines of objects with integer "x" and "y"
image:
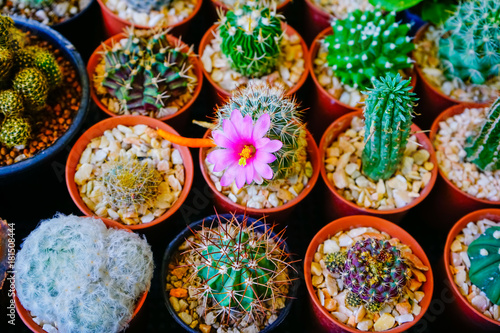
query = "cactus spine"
{"x": 32, "y": 85}
{"x": 388, "y": 115}
{"x": 15, "y": 131}
{"x": 11, "y": 103}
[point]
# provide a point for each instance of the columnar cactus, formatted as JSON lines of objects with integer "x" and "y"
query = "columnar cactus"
{"x": 146, "y": 72}
{"x": 15, "y": 131}
{"x": 388, "y": 114}
{"x": 483, "y": 150}
{"x": 366, "y": 45}
{"x": 251, "y": 38}
{"x": 146, "y": 6}
{"x": 484, "y": 271}
{"x": 469, "y": 49}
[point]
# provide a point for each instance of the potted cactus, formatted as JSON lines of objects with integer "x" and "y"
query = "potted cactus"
{"x": 372, "y": 163}
{"x": 74, "y": 274}
{"x": 455, "y": 67}
{"x": 257, "y": 285}
{"x": 252, "y": 43}
{"x": 225, "y": 5}
{"x": 145, "y": 72}
{"x": 347, "y": 55}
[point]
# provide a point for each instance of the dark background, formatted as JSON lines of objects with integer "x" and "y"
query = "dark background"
{"x": 39, "y": 194}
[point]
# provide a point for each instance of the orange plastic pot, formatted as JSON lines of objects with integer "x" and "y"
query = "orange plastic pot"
{"x": 338, "y": 206}
{"x": 463, "y": 308}
{"x": 327, "y": 108}
{"x": 98, "y": 130}
{"x": 178, "y": 119}
{"x": 277, "y": 214}
{"x": 317, "y": 19}
{"x": 453, "y": 202}
{"x": 322, "y": 317}
{"x": 113, "y": 24}
{"x": 220, "y": 94}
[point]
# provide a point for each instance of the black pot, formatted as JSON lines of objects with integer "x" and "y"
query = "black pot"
{"x": 181, "y": 237}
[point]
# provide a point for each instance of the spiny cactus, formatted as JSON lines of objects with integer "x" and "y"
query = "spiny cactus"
{"x": 484, "y": 271}
{"x": 470, "y": 46}
{"x": 251, "y": 37}
{"x": 388, "y": 113}
{"x": 483, "y": 150}
{"x": 15, "y": 131}
{"x": 146, "y": 72}
{"x": 6, "y": 24}
{"x": 6, "y": 64}
{"x": 130, "y": 183}
{"x": 366, "y": 45}
{"x": 286, "y": 123}
{"x": 243, "y": 270}
{"x": 335, "y": 261}
{"x": 76, "y": 274}
{"x": 32, "y": 85}
{"x": 47, "y": 64}
{"x": 11, "y": 103}
{"x": 146, "y": 6}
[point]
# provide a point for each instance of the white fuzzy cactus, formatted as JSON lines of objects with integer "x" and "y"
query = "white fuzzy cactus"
{"x": 79, "y": 276}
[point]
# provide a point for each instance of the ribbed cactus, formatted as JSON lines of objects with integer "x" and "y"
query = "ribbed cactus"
{"x": 484, "y": 271}
{"x": 251, "y": 38}
{"x": 470, "y": 46}
{"x": 146, "y": 72}
{"x": 146, "y": 6}
{"x": 366, "y": 45}
{"x": 32, "y": 85}
{"x": 388, "y": 113}
{"x": 483, "y": 150}
{"x": 15, "y": 131}
{"x": 11, "y": 103}
{"x": 286, "y": 123}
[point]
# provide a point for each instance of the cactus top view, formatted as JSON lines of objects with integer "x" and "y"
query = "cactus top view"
{"x": 366, "y": 45}
{"x": 388, "y": 118}
{"x": 470, "y": 46}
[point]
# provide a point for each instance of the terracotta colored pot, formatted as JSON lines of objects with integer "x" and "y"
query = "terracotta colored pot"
{"x": 340, "y": 205}
{"x": 219, "y": 4}
{"x": 178, "y": 119}
{"x": 221, "y": 95}
{"x": 113, "y": 24}
{"x": 326, "y": 108}
{"x": 432, "y": 100}
{"x": 453, "y": 201}
{"x": 34, "y": 327}
{"x": 278, "y": 214}
{"x": 98, "y": 130}
{"x": 322, "y": 317}
{"x": 317, "y": 19}
{"x": 465, "y": 309}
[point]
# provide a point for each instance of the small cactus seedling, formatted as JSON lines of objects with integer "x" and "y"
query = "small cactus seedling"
{"x": 366, "y": 45}
{"x": 32, "y": 85}
{"x": 484, "y": 271}
{"x": 388, "y": 113}
{"x": 11, "y": 103}
{"x": 15, "y": 131}
{"x": 146, "y": 6}
{"x": 483, "y": 150}
{"x": 469, "y": 49}
{"x": 251, "y": 38}
{"x": 335, "y": 261}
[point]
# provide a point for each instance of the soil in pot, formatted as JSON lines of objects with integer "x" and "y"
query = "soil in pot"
{"x": 49, "y": 12}
{"x": 341, "y": 8}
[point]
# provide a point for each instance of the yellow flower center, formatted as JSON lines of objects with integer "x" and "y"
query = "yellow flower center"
{"x": 245, "y": 154}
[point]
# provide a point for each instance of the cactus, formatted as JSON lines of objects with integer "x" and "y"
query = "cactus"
{"x": 15, "y": 131}
{"x": 251, "y": 38}
{"x": 76, "y": 274}
{"x": 483, "y": 149}
{"x": 469, "y": 49}
{"x": 286, "y": 123}
{"x": 6, "y": 24}
{"x": 146, "y": 72}
{"x": 11, "y": 103}
{"x": 242, "y": 270}
{"x": 6, "y": 64}
{"x": 146, "y": 6}
{"x": 366, "y": 45}
{"x": 388, "y": 114}
{"x": 32, "y": 85}
{"x": 335, "y": 261}
{"x": 47, "y": 64}
{"x": 484, "y": 272}
{"x": 18, "y": 39}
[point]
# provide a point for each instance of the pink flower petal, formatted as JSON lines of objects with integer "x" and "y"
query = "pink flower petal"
{"x": 249, "y": 173}
{"x": 261, "y": 126}
{"x": 222, "y": 158}
{"x": 246, "y": 129}
{"x": 229, "y": 174}
{"x": 222, "y": 140}
{"x": 263, "y": 170}
{"x": 257, "y": 178}
{"x": 272, "y": 146}
{"x": 264, "y": 157}
{"x": 261, "y": 142}
{"x": 230, "y": 131}
{"x": 240, "y": 176}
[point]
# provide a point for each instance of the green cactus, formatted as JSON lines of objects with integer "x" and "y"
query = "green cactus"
{"x": 18, "y": 39}
{"x": 286, "y": 123}
{"x": 11, "y": 103}
{"x": 6, "y": 65}
{"x": 483, "y": 149}
{"x": 15, "y": 131}
{"x": 484, "y": 272}
{"x": 26, "y": 56}
{"x": 388, "y": 113}
{"x": 146, "y": 6}
{"x": 335, "y": 261}
{"x": 469, "y": 49}
{"x": 6, "y": 23}
{"x": 366, "y": 45}
{"x": 32, "y": 85}
{"x": 251, "y": 38}
{"x": 47, "y": 64}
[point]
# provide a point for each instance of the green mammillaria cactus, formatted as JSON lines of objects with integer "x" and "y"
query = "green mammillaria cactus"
{"x": 483, "y": 150}
{"x": 366, "y": 45}
{"x": 335, "y": 261}
{"x": 18, "y": 39}
{"x": 469, "y": 49}
{"x": 251, "y": 38}
{"x": 32, "y": 85}
{"x": 388, "y": 113}
{"x": 6, "y": 64}
{"x": 6, "y": 23}
{"x": 146, "y": 6}
{"x": 11, "y": 103}
{"x": 47, "y": 64}
{"x": 286, "y": 123}
{"x": 484, "y": 272}
{"x": 15, "y": 131}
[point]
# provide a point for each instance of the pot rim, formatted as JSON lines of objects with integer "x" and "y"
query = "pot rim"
{"x": 319, "y": 10}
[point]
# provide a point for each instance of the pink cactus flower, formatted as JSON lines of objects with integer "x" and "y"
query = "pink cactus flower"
{"x": 243, "y": 152}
